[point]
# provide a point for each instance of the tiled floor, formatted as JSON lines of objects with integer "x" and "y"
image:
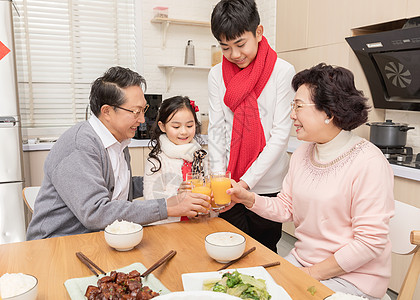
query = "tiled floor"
{"x": 286, "y": 244}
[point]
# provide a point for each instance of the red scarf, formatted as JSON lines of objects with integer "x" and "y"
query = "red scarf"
{"x": 243, "y": 87}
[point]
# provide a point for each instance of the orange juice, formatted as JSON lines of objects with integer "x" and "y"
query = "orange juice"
{"x": 220, "y": 185}
{"x": 196, "y": 182}
{"x": 200, "y": 189}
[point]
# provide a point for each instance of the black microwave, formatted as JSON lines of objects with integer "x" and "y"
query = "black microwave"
{"x": 143, "y": 130}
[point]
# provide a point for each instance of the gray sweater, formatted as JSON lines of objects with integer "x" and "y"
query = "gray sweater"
{"x": 76, "y": 192}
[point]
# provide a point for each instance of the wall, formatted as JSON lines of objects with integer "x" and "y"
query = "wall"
{"x": 307, "y": 35}
{"x": 310, "y": 32}
{"x": 188, "y": 82}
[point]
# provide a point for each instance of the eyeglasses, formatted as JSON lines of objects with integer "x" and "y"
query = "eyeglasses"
{"x": 137, "y": 112}
{"x": 295, "y": 106}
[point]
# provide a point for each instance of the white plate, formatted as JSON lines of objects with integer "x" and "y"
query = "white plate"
{"x": 194, "y": 295}
{"x": 76, "y": 287}
{"x": 194, "y": 281}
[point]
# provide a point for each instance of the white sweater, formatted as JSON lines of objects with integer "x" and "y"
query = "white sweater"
{"x": 267, "y": 172}
{"x": 165, "y": 182}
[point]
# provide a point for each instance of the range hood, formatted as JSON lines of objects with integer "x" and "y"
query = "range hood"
{"x": 391, "y": 63}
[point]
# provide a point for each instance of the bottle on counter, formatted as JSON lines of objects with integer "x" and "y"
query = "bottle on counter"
{"x": 216, "y": 55}
{"x": 189, "y": 54}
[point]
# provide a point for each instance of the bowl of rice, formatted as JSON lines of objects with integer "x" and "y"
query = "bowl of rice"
{"x": 18, "y": 286}
{"x": 225, "y": 246}
{"x": 123, "y": 235}
{"x": 343, "y": 296}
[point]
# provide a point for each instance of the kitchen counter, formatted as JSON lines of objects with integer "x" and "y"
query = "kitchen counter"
{"x": 46, "y": 146}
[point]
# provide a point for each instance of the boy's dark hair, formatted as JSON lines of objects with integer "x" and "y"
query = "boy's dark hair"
{"x": 333, "y": 91}
{"x": 232, "y": 18}
{"x": 107, "y": 88}
{"x": 167, "y": 110}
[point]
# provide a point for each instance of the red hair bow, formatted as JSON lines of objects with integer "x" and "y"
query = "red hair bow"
{"x": 195, "y": 107}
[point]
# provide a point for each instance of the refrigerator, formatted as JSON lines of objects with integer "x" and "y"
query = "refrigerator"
{"x": 12, "y": 217}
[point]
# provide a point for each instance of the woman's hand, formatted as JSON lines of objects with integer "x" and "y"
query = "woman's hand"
{"x": 240, "y": 195}
{"x": 189, "y": 204}
{"x": 325, "y": 269}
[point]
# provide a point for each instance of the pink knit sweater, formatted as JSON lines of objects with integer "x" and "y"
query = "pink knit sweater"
{"x": 339, "y": 208}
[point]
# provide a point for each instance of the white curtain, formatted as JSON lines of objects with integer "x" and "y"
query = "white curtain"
{"x": 61, "y": 47}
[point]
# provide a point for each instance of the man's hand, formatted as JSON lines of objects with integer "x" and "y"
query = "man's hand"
{"x": 189, "y": 204}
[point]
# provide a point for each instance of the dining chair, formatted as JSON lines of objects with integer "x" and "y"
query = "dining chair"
{"x": 29, "y": 196}
{"x": 405, "y": 238}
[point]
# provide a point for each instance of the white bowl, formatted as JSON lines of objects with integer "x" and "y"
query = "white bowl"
{"x": 30, "y": 294}
{"x": 194, "y": 295}
{"x": 225, "y": 246}
{"x": 124, "y": 241}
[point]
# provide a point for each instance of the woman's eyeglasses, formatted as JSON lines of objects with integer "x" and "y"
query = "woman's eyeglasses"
{"x": 295, "y": 106}
{"x": 136, "y": 112}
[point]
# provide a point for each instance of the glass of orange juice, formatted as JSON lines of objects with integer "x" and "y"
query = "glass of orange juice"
{"x": 202, "y": 186}
{"x": 194, "y": 178}
{"x": 220, "y": 183}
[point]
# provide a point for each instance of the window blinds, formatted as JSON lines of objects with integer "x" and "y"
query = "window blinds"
{"x": 61, "y": 48}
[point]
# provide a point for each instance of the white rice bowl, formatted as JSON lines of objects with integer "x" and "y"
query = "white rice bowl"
{"x": 122, "y": 227}
{"x": 15, "y": 284}
{"x": 343, "y": 296}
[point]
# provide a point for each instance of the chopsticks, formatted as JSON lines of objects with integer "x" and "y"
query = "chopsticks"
{"x": 167, "y": 257}
{"x": 90, "y": 264}
{"x": 235, "y": 260}
{"x": 276, "y": 263}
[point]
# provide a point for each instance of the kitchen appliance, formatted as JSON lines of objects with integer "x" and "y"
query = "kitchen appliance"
{"x": 402, "y": 156}
{"x": 388, "y": 133}
{"x": 12, "y": 220}
{"x": 391, "y": 63}
{"x": 143, "y": 130}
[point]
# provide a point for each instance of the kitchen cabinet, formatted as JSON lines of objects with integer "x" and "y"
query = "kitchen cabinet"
{"x": 292, "y": 25}
{"x": 413, "y": 8}
{"x": 365, "y": 13}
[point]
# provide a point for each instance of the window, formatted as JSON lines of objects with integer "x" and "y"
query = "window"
{"x": 61, "y": 47}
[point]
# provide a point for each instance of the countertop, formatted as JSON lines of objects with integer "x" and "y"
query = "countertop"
{"x": 399, "y": 171}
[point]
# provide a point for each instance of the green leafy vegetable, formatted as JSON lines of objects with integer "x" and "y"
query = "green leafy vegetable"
{"x": 239, "y": 285}
{"x": 312, "y": 290}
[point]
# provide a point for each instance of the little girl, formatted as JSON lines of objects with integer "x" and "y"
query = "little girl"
{"x": 175, "y": 150}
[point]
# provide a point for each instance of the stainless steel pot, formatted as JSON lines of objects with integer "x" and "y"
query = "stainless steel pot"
{"x": 388, "y": 134}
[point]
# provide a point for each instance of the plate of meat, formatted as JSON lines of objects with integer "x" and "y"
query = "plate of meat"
{"x": 116, "y": 283}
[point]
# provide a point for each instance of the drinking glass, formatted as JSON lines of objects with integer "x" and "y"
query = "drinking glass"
{"x": 202, "y": 187}
{"x": 194, "y": 178}
{"x": 220, "y": 183}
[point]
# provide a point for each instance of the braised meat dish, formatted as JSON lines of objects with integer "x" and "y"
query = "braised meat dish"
{"x": 119, "y": 285}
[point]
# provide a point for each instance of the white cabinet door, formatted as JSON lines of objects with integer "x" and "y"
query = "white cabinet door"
{"x": 12, "y": 220}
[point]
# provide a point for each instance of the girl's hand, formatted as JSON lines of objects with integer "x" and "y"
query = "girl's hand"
{"x": 240, "y": 195}
{"x": 185, "y": 187}
{"x": 189, "y": 204}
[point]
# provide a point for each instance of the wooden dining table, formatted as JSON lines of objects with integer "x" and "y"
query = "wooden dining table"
{"x": 53, "y": 260}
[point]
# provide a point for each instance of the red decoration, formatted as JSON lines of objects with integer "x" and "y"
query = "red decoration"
{"x": 195, "y": 107}
{"x": 3, "y": 50}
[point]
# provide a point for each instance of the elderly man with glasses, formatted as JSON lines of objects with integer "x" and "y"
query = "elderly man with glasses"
{"x": 87, "y": 183}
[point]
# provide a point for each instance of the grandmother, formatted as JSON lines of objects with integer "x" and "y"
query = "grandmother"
{"x": 338, "y": 191}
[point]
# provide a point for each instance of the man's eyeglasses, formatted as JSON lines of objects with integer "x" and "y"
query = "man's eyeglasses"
{"x": 136, "y": 112}
{"x": 295, "y": 106}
